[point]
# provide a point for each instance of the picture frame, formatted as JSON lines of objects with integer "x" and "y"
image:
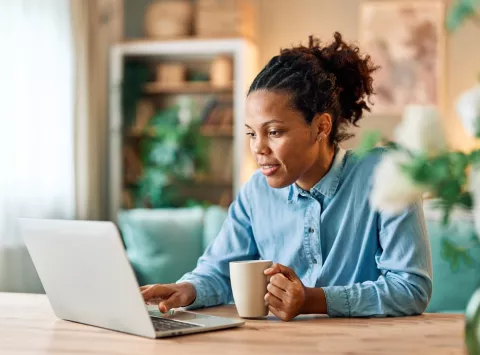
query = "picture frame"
{"x": 407, "y": 40}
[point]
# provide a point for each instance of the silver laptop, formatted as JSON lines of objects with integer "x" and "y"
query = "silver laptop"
{"x": 88, "y": 279}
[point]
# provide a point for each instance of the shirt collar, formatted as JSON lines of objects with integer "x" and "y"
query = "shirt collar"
{"x": 327, "y": 186}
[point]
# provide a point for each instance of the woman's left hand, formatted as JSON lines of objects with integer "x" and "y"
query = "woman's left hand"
{"x": 286, "y": 293}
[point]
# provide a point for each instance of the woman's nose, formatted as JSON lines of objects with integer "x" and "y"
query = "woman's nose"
{"x": 260, "y": 146}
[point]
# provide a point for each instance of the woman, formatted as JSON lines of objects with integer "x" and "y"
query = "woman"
{"x": 307, "y": 207}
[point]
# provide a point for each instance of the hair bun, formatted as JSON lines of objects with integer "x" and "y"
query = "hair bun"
{"x": 333, "y": 78}
{"x": 353, "y": 74}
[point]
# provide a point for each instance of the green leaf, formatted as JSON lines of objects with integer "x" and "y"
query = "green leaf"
{"x": 450, "y": 190}
{"x": 459, "y": 12}
{"x": 465, "y": 200}
{"x": 151, "y": 187}
{"x": 474, "y": 157}
{"x": 457, "y": 163}
{"x": 173, "y": 151}
{"x": 438, "y": 170}
{"x": 467, "y": 259}
{"x": 459, "y": 160}
{"x": 368, "y": 141}
{"x": 419, "y": 170}
{"x": 446, "y": 215}
{"x": 455, "y": 254}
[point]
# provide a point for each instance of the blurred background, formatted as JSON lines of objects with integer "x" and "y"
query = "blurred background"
{"x": 133, "y": 110}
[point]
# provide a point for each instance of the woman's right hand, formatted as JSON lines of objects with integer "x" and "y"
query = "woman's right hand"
{"x": 170, "y": 295}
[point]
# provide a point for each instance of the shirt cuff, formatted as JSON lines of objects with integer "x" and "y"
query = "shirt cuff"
{"x": 200, "y": 291}
{"x": 338, "y": 303}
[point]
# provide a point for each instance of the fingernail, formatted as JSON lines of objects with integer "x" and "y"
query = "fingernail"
{"x": 268, "y": 270}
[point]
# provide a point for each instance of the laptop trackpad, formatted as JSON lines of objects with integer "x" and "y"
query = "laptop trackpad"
{"x": 178, "y": 315}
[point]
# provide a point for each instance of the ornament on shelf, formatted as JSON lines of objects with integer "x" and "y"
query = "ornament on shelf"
{"x": 144, "y": 111}
{"x": 171, "y": 73}
{"x": 221, "y": 71}
{"x": 169, "y": 19}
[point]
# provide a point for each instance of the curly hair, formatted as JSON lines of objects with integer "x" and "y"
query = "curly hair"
{"x": 334, "y": 79}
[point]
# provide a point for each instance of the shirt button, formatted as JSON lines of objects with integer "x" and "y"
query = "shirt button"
{"x": 311, "y": 230}
{"x": 314, "y": 261}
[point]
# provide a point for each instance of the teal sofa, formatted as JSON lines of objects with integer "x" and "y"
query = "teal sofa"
{"x": 164, "y": 244}
{"x": 452, "y": 287}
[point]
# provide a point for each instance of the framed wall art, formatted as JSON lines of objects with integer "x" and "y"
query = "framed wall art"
{"x": 407, "y": 40}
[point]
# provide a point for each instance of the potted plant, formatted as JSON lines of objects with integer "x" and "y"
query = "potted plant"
{"x": 420, "y": 163}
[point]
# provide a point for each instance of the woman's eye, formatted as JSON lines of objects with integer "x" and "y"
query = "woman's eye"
{"x": 274, "y": 133}
{"x": 251, "y": 134}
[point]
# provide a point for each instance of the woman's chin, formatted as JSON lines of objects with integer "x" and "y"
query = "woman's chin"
{"x": 277, "y": 182}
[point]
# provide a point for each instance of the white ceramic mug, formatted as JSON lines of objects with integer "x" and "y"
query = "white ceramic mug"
{"x": 249, "y": 286}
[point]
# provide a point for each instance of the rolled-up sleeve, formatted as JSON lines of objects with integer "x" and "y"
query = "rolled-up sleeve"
{"x": 405, "y": 262}
{"x": 235, "y": 241}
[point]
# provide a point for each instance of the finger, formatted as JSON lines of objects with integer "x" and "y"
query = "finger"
{"x": 169, "y": 303}
{"x": 280, "y": 313}
{"x": 276, "y": 291}
{"x": 156, "y": 291}
{"x": 272, "y": 270}
{"x": 281, "y": 269}
{"x": 280, "y": 281}
{"x": 277, "y": 312}
{"x": 273, "y": 301}
{"x": 146, "y": 291}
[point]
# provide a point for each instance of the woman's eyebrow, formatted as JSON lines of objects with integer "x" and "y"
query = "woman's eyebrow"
{"x": 266, "y": 123}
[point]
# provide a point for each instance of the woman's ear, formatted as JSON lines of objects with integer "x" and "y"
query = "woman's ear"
{"x": 323, "y": 125}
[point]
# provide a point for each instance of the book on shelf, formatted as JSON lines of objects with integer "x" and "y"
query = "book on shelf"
{"x": 218, "y": 114}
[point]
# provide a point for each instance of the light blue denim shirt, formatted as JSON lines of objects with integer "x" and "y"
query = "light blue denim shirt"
{"x": 368, "y": 263}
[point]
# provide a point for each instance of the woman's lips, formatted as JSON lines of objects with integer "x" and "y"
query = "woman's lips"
{"x": 268, "y": 170}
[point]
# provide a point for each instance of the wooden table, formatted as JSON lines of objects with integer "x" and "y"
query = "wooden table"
{"x": 28, "y": 326}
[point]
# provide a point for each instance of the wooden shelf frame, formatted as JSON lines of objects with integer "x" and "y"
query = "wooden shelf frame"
{"x": 245, "y": 60}
{"x": 185, "y": 88}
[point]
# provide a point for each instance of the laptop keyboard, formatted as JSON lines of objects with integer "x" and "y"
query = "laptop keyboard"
{"x": 163, "y": 324}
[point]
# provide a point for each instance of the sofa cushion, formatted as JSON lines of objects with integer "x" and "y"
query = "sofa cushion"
{"x": 214, "y": 218}
{"x": 162, "y": 244}
{"x": 452, "y": 287}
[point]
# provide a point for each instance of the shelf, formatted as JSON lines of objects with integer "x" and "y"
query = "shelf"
{"x": 142, "y": 134}
{"x": 184, "y": 40}
{"x": 187, "y": 47}
{"x": 210, "y": 180}
{"x": 226, "y": 132}
{"x": 186, "y": 88}
{"x": 223, "y": 180}
{"x": 198, "y": 180}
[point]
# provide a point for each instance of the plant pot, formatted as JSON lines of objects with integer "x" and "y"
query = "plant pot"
{"x": 472, "y": 324}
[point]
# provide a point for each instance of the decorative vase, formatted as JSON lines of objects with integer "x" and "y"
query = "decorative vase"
{"x": 221, "y": 71}
{"x": 472, "y": 324}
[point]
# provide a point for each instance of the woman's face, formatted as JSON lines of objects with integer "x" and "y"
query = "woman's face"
{"x": 283, "y": 143}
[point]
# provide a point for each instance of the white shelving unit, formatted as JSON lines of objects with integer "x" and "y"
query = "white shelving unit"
{"x": 244, "y": 54}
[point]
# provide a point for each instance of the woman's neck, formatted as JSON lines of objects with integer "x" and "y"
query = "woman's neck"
{"x": 318, "y": 170}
